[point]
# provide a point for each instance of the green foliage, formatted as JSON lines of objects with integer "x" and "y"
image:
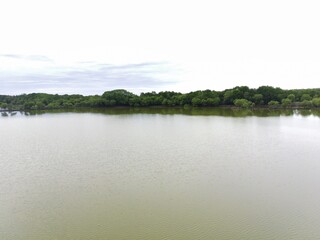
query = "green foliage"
{"x": 291, "y": 97}
{"x": 286, "y": 102}
{"x": 240, "y": 96}
{"x": 243, "y": 103}
{"x": 258, "y": 99}
{"x": 273, "y": 103}
{"x": 316, "y": 102}
{"x": 306, "y": 103}
{"x": 53, "y": 105}
{"x": 196, "y": 101}
{"x": 203, "y": 98}
{"x": 305, "y": 97}
{"x": 228, "y": 97}
{"x": 212, "y": 101}
{"x": 117, "y": 97}
{"x": 270, "y": 93}
{"x": 3, "y": 105}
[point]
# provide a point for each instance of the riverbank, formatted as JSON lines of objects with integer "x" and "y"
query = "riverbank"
{"x": 170, "y": 107}
{"x": 192, "y": 111}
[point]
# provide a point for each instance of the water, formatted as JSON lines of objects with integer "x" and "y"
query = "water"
{"x": 160, "y": 174}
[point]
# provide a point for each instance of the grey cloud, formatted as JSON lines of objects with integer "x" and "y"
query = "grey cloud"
{"x": 28, "y": 57}
{"x": 94, "y": 79}
{"x": 122, "y": 71}
{"x": 134, "y": 65}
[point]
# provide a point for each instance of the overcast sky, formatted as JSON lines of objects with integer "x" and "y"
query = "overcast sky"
{"x": 89, "y": 46}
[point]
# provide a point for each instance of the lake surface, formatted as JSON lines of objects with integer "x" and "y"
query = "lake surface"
{"x": 160, "y": 174}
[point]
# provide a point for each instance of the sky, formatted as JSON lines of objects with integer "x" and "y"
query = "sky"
{"x": 91, "y": 46}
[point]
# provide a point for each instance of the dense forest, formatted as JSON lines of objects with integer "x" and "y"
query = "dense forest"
{"x": 243, "y": 97}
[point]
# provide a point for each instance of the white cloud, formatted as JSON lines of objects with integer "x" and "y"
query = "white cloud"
{"x": 83, "y": 78}
{"x": 215, "y": 44}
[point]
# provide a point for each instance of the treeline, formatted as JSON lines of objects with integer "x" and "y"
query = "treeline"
{"x": 243, "y": 97}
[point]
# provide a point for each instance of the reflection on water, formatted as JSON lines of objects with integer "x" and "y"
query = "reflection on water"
{"x": 125, "y": 174}
{"x": 219, "y": 111}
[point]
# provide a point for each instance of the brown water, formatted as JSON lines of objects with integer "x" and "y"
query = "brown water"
{"x": 160, "y": 174}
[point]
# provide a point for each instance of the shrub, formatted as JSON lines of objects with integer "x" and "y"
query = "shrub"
{"x": 3, "y": 105}
{"x": 273, "y": 103}
{"x": 258, "y": 99}
{"x": 316, "y": 102}
{"x": 291, "y": 97}
{"x": 243, "y": 103}
{"x": 306, "y": 103}
{"x": 286, "y": 102}
{"x": 305, "y": 97}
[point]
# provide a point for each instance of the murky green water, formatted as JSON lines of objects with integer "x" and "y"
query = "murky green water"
{"x": 160, "y": 174}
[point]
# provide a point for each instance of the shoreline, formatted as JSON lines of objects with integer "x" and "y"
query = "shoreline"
{"x": 170, "y": 107}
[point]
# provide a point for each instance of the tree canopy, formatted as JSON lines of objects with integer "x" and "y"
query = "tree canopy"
{"x": 241, "y": 96}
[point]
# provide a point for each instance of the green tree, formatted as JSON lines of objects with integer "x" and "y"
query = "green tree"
{"x": 67, "y": 104}
{"x": 196, "y": 101}
{"x": 29, "y": 105}
{"x": 243, "y": 103}
{"x": 213, "y": 101}
{"x": 53, "y": 105}
{"x": 273, "y": 103}
{"x": 306, "y": 103}
{"x": 228, "y": 97}
{"x": 316, "y": 102}
{"x": 258, "y": 99}
{"x": 263, "y": 95}
{"x": 286, "y": 102}
{"x": 306, "y": 97}
{"x": 3, "y": 105}
{"x": 270, "y": 93}
{"x": 117, "y": 97}
{"x": 291, "y": 97}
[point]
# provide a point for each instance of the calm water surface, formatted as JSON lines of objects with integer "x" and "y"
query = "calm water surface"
{"x": 160, "y": 174}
